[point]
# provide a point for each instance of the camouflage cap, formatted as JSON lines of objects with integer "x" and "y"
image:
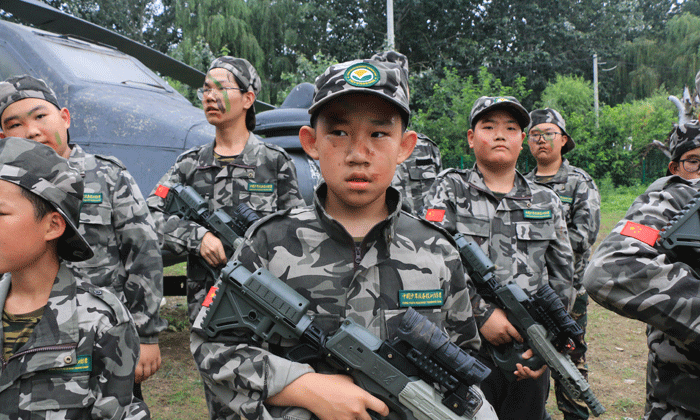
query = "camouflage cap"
{"x": 38, "y": 169}
{"x": 22, "y": 87}
{"x": 393, "y": 57}
{"x": 684, "y": 138}
{"x": 489, "y": 103}
{"x": 242, "y": 70}
{"x": 386, "y": 79}
{"x": 549, "y": 115}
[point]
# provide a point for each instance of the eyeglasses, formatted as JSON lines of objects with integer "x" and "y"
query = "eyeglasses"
{"x": 548, "y": 136}
{"x": 203, "y": 91}
{"x": 691, "y": 165}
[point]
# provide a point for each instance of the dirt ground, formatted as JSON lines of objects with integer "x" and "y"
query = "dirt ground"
{"x": 616, "y": 359}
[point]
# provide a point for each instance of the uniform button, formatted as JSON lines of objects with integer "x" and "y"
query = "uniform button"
{"x": 97, "y": 292}
{"x": 68, "y": 360}
{"x": 251, "y": 175}
{"x": 529, "y": 205}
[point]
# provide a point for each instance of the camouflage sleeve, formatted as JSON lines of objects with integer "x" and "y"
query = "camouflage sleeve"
{"x": 289, "y": 194}
{"x": 175, "y": 235}
{"x": 559, "y": 259}
{"x": 140, "y": 254}
{"x": 240, "y": 374}
{"x": 443, "y": 196}
{"x": 460, "y": 319}
{"x": 583, "y": 229}
{"x": 642, "y": 282}
{"x": 114, "y": 359}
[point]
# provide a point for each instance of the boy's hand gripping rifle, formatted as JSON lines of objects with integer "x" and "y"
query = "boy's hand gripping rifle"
{"x": 184, "y": 201}
{"x": 541, "y": 320}
{"x": 399, "y": 372}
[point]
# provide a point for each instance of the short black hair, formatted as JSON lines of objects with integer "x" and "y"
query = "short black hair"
{"x": 41, "y": 206}
{"x": 250, "y": 114}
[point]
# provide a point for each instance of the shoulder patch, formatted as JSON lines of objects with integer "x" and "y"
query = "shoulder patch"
{"x": 643, "y": 233}
{"x": 110, "y": 300}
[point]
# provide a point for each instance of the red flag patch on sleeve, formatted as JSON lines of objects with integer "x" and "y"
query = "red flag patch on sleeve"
{"x": 162, "y": 191}
{"x": 210, "y": 296}
{"x": 643, "y": 233}
{"x": 435, "y": 215}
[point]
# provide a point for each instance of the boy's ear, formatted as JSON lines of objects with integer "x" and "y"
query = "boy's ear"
{"x": 470, "y": 138}
{"x": 249, "y": 99}
{"x": 2, "y": 135}
{"x": 307, "y": 137}
{"x": 673, "y": 167}
{"x": 408, "y": 143}
{"x": 65, "y": 116}
{"x": 55, "y": 226}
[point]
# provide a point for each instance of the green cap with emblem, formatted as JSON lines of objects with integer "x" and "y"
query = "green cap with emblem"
{"x": 38, "y": 169}
{"x": 385, "y": 79}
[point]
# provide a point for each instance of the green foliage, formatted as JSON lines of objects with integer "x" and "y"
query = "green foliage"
{"x": 569, "y": 95}
{"x": 445, "y": 115}
{"x": 306, "y": 71}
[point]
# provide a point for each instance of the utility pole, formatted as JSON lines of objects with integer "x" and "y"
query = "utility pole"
{"x": 595, "y": 87}
{"x": 390, "y": 23}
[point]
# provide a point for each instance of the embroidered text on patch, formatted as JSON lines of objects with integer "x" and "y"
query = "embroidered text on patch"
{"x": 261, "y": 188}
{"x": 415, "y": 298}
{"x": 92, "y": 198}
{"x": 537, "y": 214}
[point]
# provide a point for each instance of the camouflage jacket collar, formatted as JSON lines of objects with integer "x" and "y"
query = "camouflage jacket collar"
{"x": 77, "y": 159}
{"x": 384, "y": 230}
{"x": 560, "y": 177}
{"x": 247, "y": 157}
{"x": 520, "y": 192}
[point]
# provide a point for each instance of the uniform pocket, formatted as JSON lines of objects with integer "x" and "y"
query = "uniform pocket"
{"x": 58, "y": 393}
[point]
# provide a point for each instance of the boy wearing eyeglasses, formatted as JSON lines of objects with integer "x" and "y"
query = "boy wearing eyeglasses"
{"x": 520, "y": 226}
{"x": 685, "y": 151}
{"x": 549, "y": 141}
{"x": 235, "y": 168}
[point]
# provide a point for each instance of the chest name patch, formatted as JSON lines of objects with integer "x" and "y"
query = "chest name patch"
{"x": 261, "y": 188}
{"x": 537, "y": 214}
{"x": 92, "y": 198}
{"x": 643, "y": 233}
{"x": 565, "y": 199}
{"x": 84, "y": 365}
{"x": 417, "y": 298}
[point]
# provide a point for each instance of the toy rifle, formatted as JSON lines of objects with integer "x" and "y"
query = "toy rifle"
{"x": 185, "y": 202}
{"x": 399, "y": 372}
{"x": 541, "y": 320}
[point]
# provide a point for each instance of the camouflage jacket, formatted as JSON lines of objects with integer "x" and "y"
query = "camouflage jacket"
{"x": 581, "y": 200}
{"x": 315, "y": 255}
{"x": 524, "y": 234}
{"x": 78, "y": 363}
{"x": 416, "y": 175}
{"x": 115, "y": 221}
{"x": 647, "y": 283}
{"x": 263, "y": 177}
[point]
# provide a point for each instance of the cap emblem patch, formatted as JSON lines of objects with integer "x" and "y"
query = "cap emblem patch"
{"x": 362, "y": 75}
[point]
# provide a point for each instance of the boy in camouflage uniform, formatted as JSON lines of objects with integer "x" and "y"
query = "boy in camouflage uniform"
{"x": 353, "y": 254}
{"x": 235, "y": 168}
{"x": 69, "y": 348}
{"x": 114, "y": 217}
{"x": 520, "y": 225}
{"x": 549, "y": 141}
{"x": 415, "y": 175}
{"x": 636, "y": 277}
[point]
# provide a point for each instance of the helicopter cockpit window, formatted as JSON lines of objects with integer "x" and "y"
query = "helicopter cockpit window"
{"x": 97, "y": 66}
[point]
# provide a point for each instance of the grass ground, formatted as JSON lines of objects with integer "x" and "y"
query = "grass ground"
{"x": 616, "y": 356}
